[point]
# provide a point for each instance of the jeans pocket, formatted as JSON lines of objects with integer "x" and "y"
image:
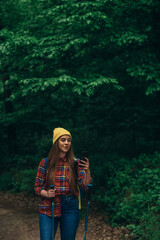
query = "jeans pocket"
{"x": 73, "y": 201}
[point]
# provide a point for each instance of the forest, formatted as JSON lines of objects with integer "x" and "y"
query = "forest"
{"x": 92, "y": 67}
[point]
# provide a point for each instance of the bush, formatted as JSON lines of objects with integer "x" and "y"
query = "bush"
{"x": 148, "y": 228}
{"x": 129, "y": 187}
{"x": 143, "y": 190}
{"x": 21, "y": 174}
{"x": 5, "y": 183}
{"x": 23, "y": 181}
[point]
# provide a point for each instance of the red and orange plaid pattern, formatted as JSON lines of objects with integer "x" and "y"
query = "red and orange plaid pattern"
{"x": 61, "y": 185}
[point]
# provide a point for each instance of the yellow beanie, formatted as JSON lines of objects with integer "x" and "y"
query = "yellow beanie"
{"x": 58, "y": 132}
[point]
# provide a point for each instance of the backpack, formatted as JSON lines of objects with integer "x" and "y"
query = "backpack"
{"x": 80, "y": 190}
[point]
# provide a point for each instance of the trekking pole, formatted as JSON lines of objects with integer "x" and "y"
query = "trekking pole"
{"x": 88, "y": 202}
{"x": 52, "y": 187}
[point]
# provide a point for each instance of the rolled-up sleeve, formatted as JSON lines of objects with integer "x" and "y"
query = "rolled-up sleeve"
{"x": 81, "y": 177}
{"x": 40, "y": 182}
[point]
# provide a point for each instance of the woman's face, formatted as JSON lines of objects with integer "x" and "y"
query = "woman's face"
{"x": 64, "y": 143}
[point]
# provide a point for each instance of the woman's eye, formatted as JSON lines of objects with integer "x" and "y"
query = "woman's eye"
{"x": 64, "y": 140}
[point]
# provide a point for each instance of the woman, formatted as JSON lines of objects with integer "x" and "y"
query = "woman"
{"x": 61, "y": 173}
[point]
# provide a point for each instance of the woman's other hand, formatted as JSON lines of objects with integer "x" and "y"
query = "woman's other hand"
{"x": 50, "y": 193}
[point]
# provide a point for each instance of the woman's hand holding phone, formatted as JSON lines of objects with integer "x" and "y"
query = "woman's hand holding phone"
{"x": 84, "y": 162}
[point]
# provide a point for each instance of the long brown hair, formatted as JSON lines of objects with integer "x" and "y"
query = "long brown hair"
{"x": 52, "y": 164}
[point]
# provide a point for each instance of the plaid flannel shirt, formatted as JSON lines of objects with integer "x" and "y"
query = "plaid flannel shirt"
{"x": 61, "y": 184}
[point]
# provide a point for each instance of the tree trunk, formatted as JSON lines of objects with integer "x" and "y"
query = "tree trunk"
{"x": 11, "y": 129}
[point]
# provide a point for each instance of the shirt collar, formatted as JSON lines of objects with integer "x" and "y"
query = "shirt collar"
{"x": 64, "y": 159}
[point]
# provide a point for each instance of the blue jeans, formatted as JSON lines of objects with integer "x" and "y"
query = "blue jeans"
{"x": 69, "y": 220}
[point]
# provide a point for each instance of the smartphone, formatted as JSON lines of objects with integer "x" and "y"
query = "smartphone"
{"x": 83, "y": 155}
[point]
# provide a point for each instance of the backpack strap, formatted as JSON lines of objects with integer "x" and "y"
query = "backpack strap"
{"x": 78, "y": 188}
{"x": 45, "y": 166}
{"x": 76, "y": 166}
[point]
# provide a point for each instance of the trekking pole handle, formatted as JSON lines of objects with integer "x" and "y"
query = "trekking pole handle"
{"x": 89, "y": 190}
{"x": 52, "y": 187}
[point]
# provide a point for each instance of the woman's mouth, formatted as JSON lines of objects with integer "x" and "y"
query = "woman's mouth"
{"x": 66, "y": 147}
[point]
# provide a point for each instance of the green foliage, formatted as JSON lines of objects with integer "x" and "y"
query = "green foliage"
{"x": 130, "y": 194}
{"x": 93, "y": 68}
{"x": 148, "y": 228}
{"x": 143, "y": 191}
{"x": 23, "y": 181}
{"x": 5, "y": 183}
{"x": 21, "y": 174}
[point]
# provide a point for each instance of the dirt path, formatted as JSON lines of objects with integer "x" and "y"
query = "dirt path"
{"x": 19, "y": 221}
